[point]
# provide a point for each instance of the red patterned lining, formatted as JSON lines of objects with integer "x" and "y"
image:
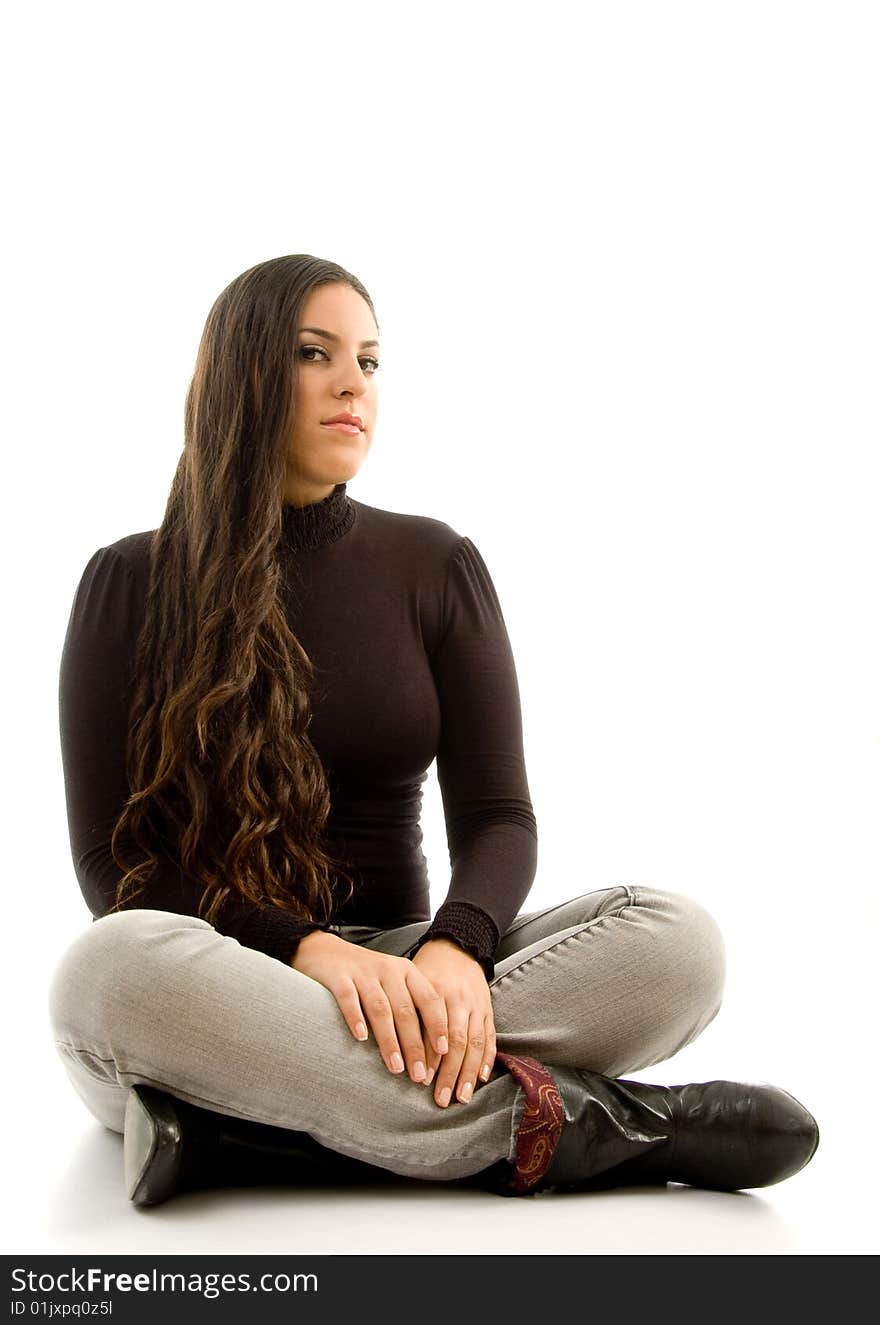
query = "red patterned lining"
{"x": 541, "y": 1124}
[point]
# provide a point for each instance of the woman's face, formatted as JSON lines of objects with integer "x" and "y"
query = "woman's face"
{"x": 337, "y": 354}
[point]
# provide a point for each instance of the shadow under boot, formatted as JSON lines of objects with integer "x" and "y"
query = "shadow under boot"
{"x": 580, "y": 1130}
{"x": 172, "y": 1146}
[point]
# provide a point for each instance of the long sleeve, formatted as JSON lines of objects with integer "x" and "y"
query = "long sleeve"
{"x": 490, "y": 823}
{"x": 94, "y": 697}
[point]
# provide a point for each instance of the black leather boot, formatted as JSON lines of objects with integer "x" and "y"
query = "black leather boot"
{"x": 580, "y": 1130}
{"x": 172, "y": 1146}
{"x": 722, "y": 1135}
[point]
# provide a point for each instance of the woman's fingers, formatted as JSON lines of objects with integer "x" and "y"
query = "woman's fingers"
{"x": 346, "y": 995}
{"x": 472, "y": 1061}
{"x": 432, "y": 1009}
{"x": 380, "y": 991}
{"x": 433, "y": 1059}
{"x": 398, "y": 1001}
{"x": 414, "y": 1001}
{"x": 394, "y": 1004}
{"x": 432, "y": 1062}
{"x": 477, "y": 1061}
{"x": 489, "y": 1049}
{"x": 377, "y": 1008}
{"x": 408, "y": 1033}
{"x": 398, "y": 1010}
{"x": 447, "y": 1075}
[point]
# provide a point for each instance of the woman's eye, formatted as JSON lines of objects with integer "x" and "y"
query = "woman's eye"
{"x": 304, "y": 349}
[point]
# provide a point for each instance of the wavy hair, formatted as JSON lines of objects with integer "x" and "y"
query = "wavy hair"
{"x": 222, "y": 772}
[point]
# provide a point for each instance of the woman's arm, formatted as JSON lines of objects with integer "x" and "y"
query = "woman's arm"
{"x": 490, "y": 823}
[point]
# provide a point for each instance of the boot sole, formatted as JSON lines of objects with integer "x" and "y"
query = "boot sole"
{"x": 152, "y": 1146}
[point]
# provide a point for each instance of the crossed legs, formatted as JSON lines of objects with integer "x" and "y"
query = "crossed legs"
{"x": 613, "y": 980}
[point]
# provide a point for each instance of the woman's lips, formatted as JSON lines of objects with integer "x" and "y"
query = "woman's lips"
{"x": 352, "y": 429}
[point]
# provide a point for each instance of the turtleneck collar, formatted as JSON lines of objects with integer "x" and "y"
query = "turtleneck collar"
{"x": 318, "y": 523}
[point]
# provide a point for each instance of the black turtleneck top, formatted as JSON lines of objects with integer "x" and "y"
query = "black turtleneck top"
{"x": 401, "y": 620}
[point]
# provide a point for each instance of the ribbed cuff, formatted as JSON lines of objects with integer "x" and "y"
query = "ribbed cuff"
{"x": 470, "y": 927}
{"x": 275, "y": 932}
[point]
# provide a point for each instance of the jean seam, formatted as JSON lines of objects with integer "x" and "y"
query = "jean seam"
{"x": 518, "y": 924}
{"x": 630, "y": 901}
{"x": 82, "y": 1049}
{"x": 527, "y": 920}
{"x": 250, "y": 1116}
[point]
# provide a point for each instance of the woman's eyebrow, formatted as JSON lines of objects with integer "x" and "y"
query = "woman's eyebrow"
{"x": 331, "y": 335}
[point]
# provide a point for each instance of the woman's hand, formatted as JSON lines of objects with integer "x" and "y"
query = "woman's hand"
{"x": 461, "y": 982}
{"x": 389, "y": 992}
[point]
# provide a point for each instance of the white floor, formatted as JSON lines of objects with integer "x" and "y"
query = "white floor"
{"x": 66, "y": 1171}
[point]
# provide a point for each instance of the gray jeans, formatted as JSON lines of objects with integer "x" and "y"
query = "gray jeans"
{"x": 613, "y": 981}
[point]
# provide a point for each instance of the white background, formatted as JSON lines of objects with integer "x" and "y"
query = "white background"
{"x": 625, "y": 264}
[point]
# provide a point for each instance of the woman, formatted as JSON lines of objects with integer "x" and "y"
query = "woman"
{"x": 250, "y": 698}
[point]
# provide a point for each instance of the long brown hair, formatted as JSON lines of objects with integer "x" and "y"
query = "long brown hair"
{"x": 222, "y": 772}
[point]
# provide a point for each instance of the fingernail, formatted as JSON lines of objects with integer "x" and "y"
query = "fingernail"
{"x": 418, "y": 1071}
{"x": 445, "y": 1097}
{"x": 360, "y": 1031}
{"x": 466, "y": 1092}
{"x": 396, "y": 1062}
{"x": 430, "y": 1077}
{"x": 443, "y": 1045}
{"x": 484, "y": 1071}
